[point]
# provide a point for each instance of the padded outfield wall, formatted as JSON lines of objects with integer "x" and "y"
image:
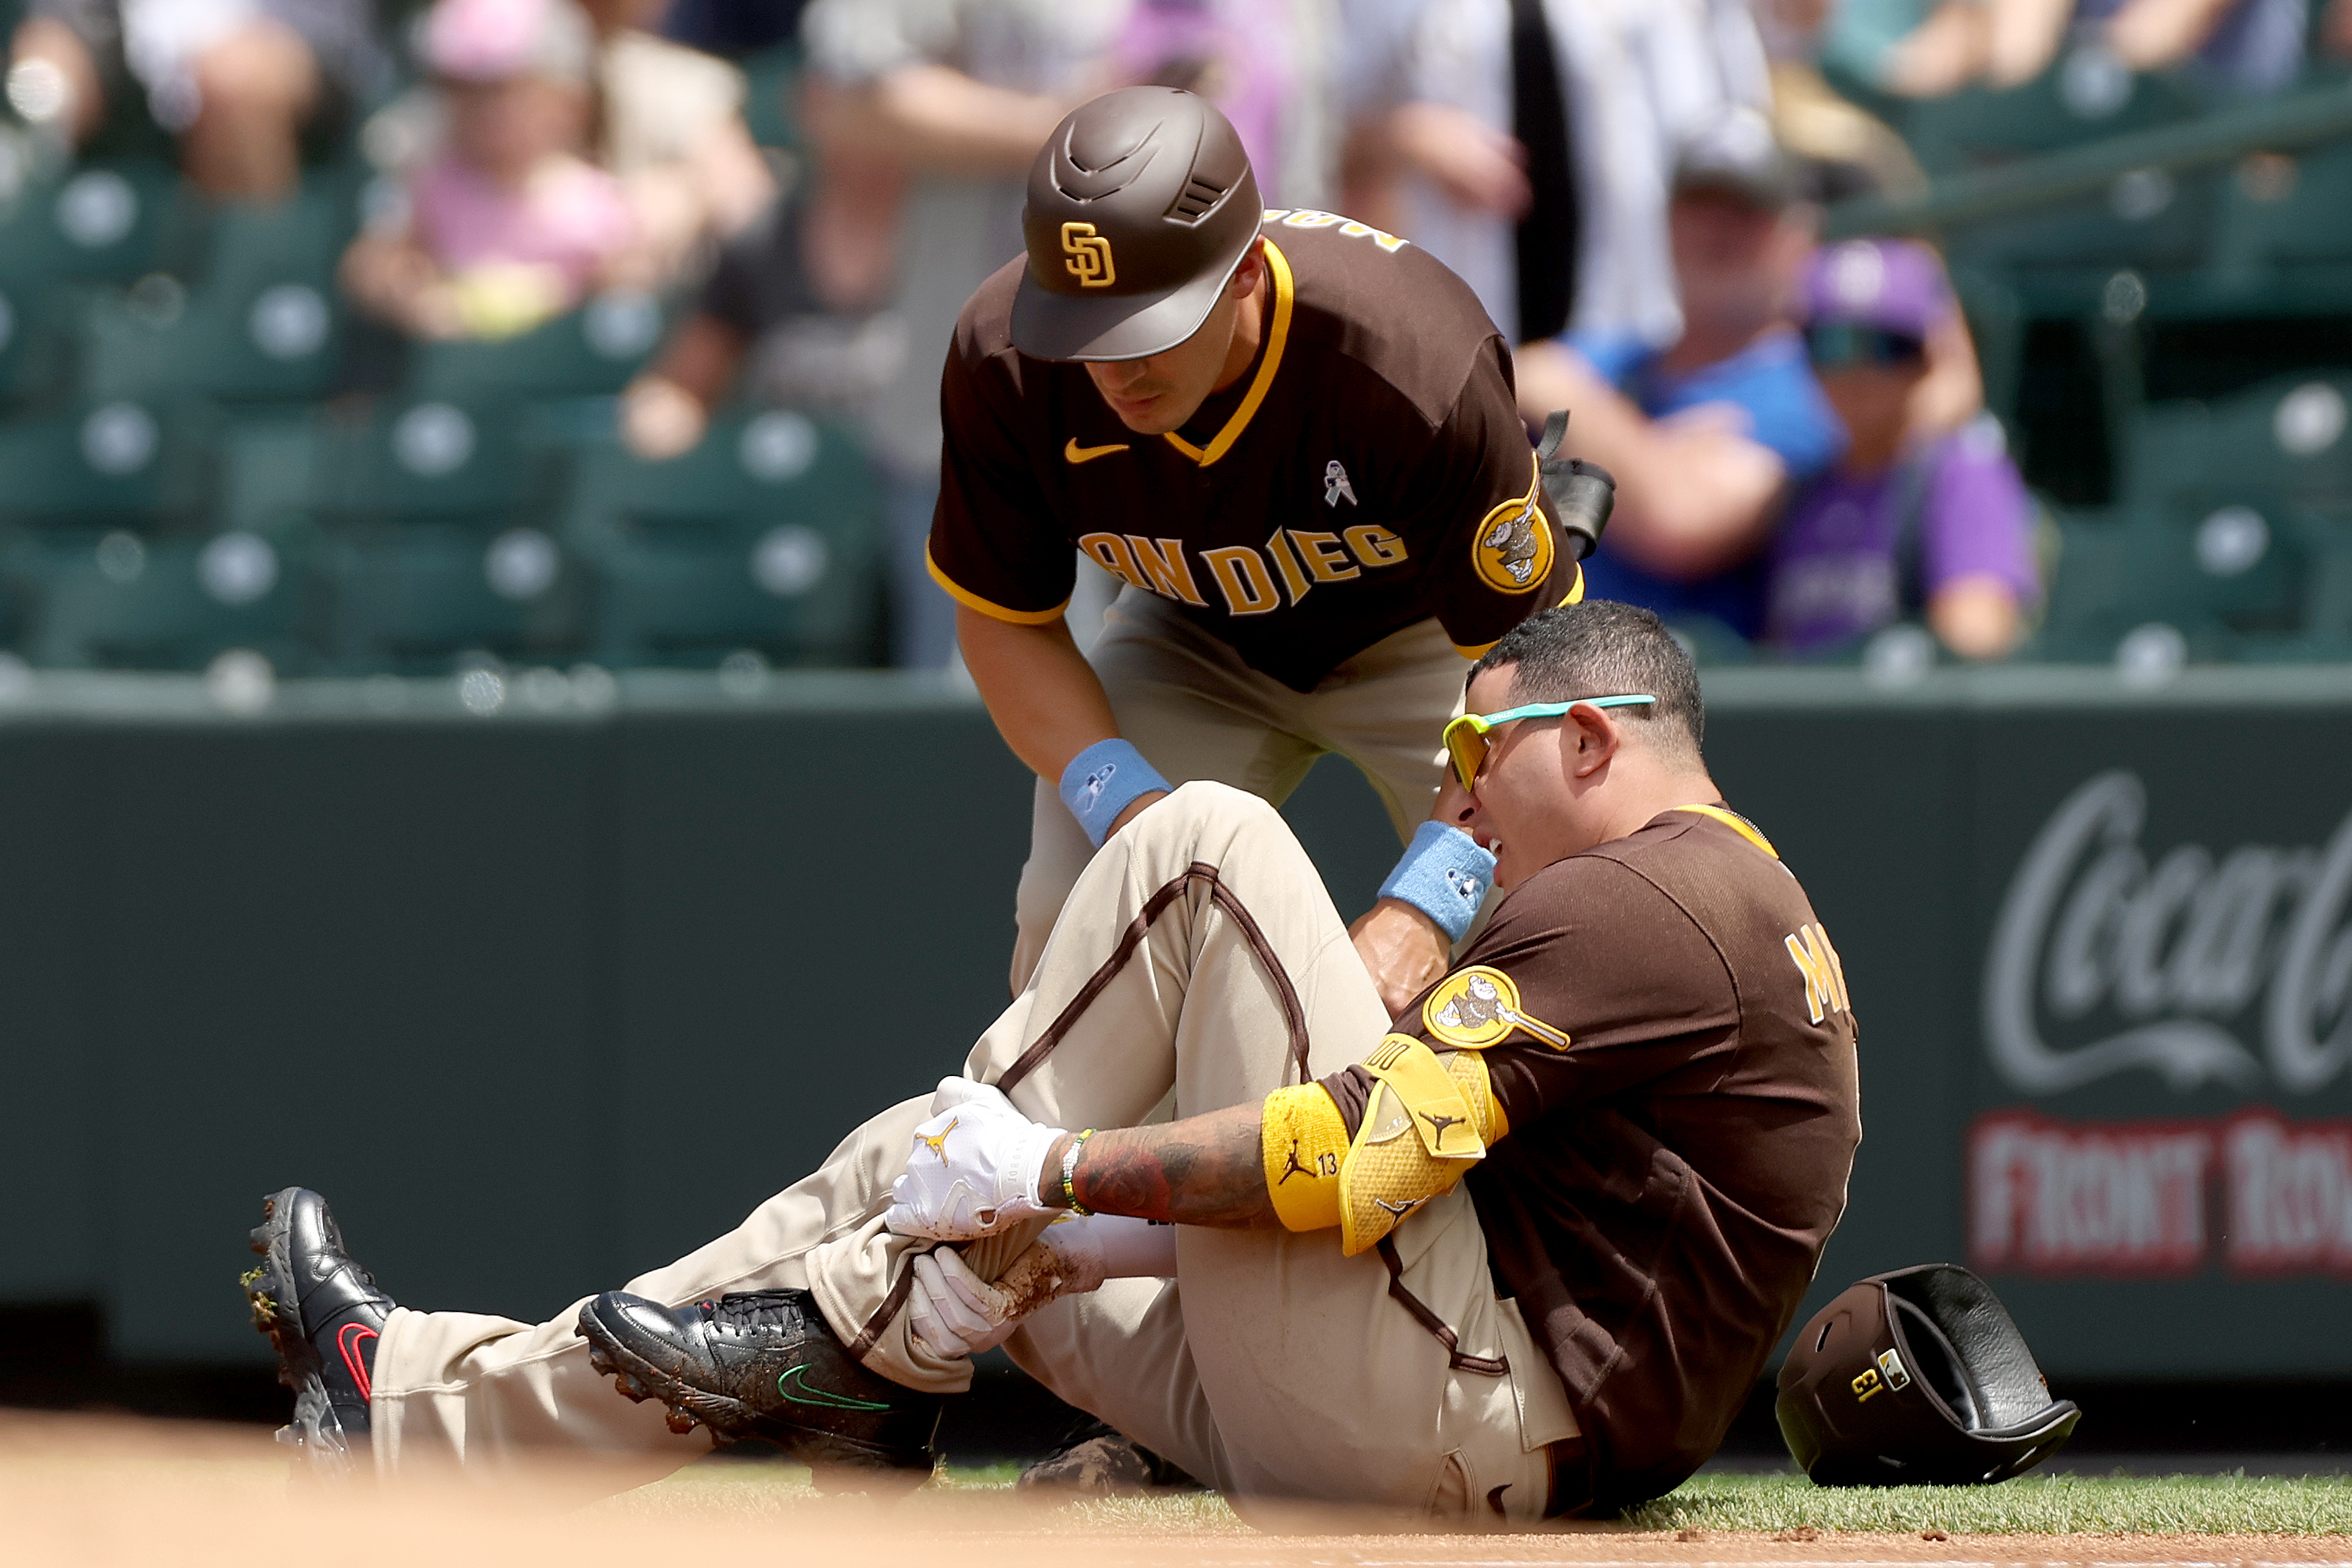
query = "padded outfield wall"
{"x": 545, "y": 989}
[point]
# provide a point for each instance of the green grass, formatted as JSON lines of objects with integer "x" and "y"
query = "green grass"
{"x": 2031, "y": 1505}
{"x": 1770, "y": 1504}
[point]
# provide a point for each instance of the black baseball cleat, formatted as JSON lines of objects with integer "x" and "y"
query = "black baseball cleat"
{"x": 765, "y": 1365}
{"x": 323, "y": 1315}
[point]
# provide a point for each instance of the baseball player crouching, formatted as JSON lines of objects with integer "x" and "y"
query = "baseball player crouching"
{"x": 1294, "y": 438}
{"x": 1522, "y": 1253}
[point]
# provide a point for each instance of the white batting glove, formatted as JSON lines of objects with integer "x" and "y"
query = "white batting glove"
{"x": 972, "y": 1169}
{"x": 955, "y": 1312}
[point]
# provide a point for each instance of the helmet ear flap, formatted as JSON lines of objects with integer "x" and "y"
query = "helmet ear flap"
{"x": 1920, "y": 1375}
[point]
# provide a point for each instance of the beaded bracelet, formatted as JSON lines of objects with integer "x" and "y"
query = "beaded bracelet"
{"x": 1070, "y": 1171}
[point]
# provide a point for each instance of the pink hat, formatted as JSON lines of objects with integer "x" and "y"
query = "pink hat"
{"x": 493, "y": 41}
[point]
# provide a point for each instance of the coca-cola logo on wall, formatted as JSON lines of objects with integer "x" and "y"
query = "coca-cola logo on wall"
{"x": 2104, "y": 961}
{"x": 2224, "y": 967}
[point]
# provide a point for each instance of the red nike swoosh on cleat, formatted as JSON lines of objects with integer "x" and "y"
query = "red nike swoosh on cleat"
{"x": 348, "y": 1339}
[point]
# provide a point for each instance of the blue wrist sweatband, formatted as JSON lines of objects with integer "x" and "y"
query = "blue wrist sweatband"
{"x": 1443, "y": 874}
{"x": 1103, "y": 781}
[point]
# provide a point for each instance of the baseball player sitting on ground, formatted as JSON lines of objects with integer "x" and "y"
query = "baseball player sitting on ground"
{"x": 1294, "y": 439}
{"x": 1524, "y": 1253}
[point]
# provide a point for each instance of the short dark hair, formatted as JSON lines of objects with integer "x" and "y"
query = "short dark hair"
{"x": 1601, "y": 648}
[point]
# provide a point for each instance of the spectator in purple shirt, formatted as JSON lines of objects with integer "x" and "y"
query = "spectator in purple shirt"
{"x": 1898, "y": 526}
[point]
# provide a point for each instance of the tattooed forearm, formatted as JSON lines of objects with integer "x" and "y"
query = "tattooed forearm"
{"x": 1204, "y": 1170}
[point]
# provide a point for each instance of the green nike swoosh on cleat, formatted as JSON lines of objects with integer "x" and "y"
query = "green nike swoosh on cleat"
{"x": 791, "y": 1386}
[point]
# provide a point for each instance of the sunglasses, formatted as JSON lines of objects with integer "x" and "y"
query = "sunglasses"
{"x": 1466, "y": 738}
{"x": 1833, "y": 345}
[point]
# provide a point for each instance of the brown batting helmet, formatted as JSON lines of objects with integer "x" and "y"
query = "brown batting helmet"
{"x": 1140, "y": 206}
{"x": 1917, "y": 1376}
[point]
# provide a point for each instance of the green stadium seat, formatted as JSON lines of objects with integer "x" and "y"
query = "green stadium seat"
{"x": 2287, "y": 441}
{"x": 412, "y": 598}
{"x": 262, "y": 321}
{"x": 100, "y": 222}
{"x": 124, "y": 461}
{"x": 426, "y": 459}
{"x": 34, "y": 356}
{"x": 595, "y": 349}
{"x": 431, "y": 545}
{"x": 2304, "y": 218}
{"x": 119, "y": 600}
{"x": 750, "y": 467}
{"x": 2328, "y": 615}
{"x": 2149, "y": 219}
{"x": 766, "y": 537}
{"x": 268, "y": 473}
{"x": 2079, "y": 100}
{"x": 2234, "y": 582}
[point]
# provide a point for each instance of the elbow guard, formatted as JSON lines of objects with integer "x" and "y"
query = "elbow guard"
{"x": 1429, "y": 1118}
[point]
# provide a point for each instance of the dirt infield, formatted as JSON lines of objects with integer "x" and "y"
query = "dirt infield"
{"x": 86, "y": 1490}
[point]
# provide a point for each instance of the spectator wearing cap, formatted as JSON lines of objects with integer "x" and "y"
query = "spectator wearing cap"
{"x": 510, "y": 224}
{"x": 1901, "y": 525}
{"x": 1706, "y": 435}
{"x": 668, "y": 122}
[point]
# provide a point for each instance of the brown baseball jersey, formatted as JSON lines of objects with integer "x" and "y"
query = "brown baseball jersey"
{"x": 1369, "y": 471}
{"x": 1667, "y": 1028}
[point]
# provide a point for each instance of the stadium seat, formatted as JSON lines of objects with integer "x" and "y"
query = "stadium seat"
{"x": 268, "y": 473}
{"x": 119, "y": 600}
{"x": 2291, "y": 212}
{"x": 2285, "y": 441}
{"x": 123, "y": 461}
{"x": 595, "y": 349}
{"x": 259, "y": 320}
{"x": 2081, "y": 99}
{"x": 2328, "y": 611}
{"x": 2149, "y": 219}
{"x": 410, "y": 598}
{"x": 427, "y": 459}
{"x": 34, "y": 354}
{"x": 765, "y": 537}
{"x": 2234, "y": 582}
{"x": 98, "y": 223}
{"x": 749, "y": 467}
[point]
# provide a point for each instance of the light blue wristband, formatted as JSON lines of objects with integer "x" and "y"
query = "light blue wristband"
{"x": 1444, "y": 875}
{"x": 1103, "y": 781}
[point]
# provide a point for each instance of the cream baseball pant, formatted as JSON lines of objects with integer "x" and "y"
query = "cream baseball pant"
{"x": 1198, "y": 955}
{"x": 1196, "y": 711}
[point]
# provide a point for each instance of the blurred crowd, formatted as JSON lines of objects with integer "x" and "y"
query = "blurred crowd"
{"x": 1634, "y": 188}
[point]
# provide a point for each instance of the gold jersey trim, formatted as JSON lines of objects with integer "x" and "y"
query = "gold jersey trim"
{"x": 1738, "y": 824}
{"x": 1277, "y": 335}
{"x": 994, "y": 611}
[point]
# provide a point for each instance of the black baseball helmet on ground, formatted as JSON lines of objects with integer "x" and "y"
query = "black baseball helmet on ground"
{"x": 1917, "y": 1377}
{"x": 1140, "y": 206}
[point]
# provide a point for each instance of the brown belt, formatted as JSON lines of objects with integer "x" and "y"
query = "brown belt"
{"x": 1571, "y": 1477}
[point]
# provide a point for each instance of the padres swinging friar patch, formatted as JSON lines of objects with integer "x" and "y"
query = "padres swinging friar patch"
{"x": 1476, "y": 1007}
{"x": 1512, "y": 549}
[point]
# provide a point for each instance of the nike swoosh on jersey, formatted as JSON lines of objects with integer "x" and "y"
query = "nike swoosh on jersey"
{"x": 1077, "y": 453}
